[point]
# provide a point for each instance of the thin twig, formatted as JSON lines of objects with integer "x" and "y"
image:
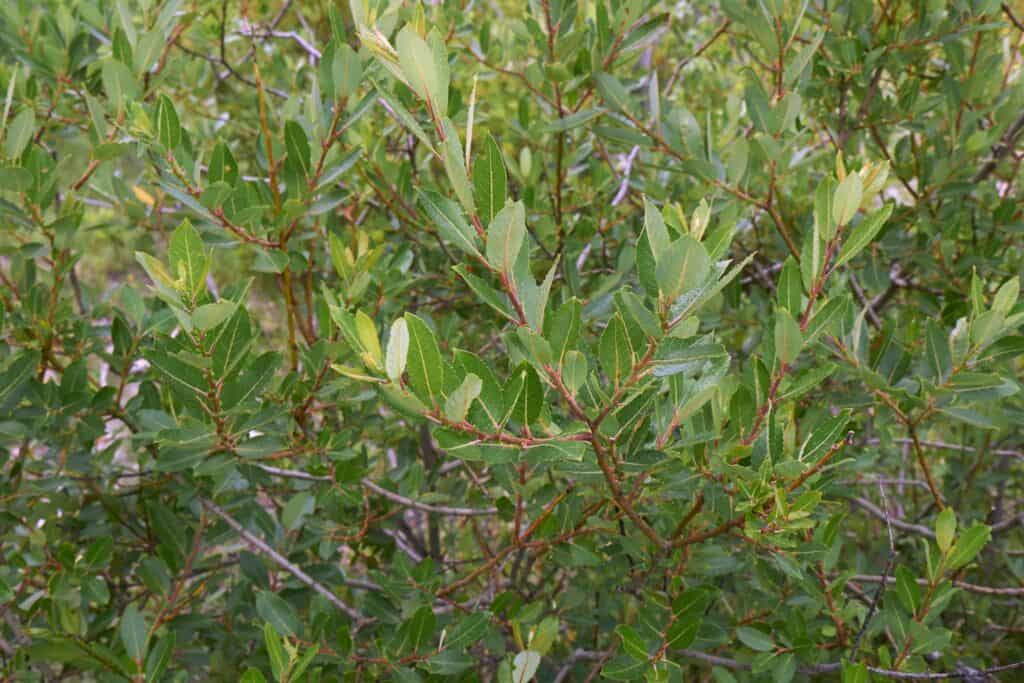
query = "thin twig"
{"x": 885, "y": 576}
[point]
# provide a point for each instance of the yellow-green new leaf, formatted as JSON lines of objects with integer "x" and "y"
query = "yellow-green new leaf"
{"x": 847, "y": 199}
{"x": 367, "y": 333}
{"x": 945, "y": 529}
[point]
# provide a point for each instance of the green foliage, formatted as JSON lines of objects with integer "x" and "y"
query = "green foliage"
{"x": 506, "y": 341}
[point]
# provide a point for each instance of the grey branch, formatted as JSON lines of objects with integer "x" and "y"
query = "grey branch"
{"x": 969, "y": 587}
{"x": 385, "y": 493}
{"x": 898, "y": 523}
{"x": 258, "y": 544}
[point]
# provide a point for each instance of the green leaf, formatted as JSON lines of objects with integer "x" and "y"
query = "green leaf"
{"x": 455, "y": 167}
{"x": 188, "y": 260}
{"x": 424, "y": 75}
{"x": 99, "y": 554}
{"x": 346, "y": 70}
{"x": 1006, "y": 298}
{"x": 826, "y": 318}
{"x": 246, "y": 387}
{"x": 490, "y": 181}
{"x": 682, "y": 267}
{"x": 907, "y": 590}
{"x": 19, "y": 133}
{"x": 790, "y": 289}
{"x": 119, "y": 83}
{"x": 796, "y": 66}
{"x": 297, "y": 145}
{"x": 969, "y": 416}
{"x": 855, "y": 673}
{"x": 404, "y": 117}
{"x": 209, "y": 316}
{"x": 788, "y": 338}
{"x": 755, "y": 639}
{"x": 155, "y": 270}
{"x": 222, "y": 166}
{"x": 417, "y": 633}
{"x": 612, "y": 91}
{"x": 134, "y": 633}
{"x": 1006, "y": 348}
{"x": 654, "y": 228}
{"x": 847, "y": 199}
{"x": 15, "y": 179}
{"x": 459, "y": 401}
{"x": 969, "y": 545}
{"x": 168, "y": 129}
{"x": 937, "y": 352}
{"x": 426, "y": 370}
{"x": 686, "y": 355}
{"x": 524, "y": 394}
{"x": 366, "y": 331}
{"x": 450, "y": 222}
{"x": 505, "y": 237}
{"x": 159, "y": 657}
{"x": 824, "y": 209}
{"x": 571, "y": 121}
{"x": 490, "y": 296}
{"x": 981, "y": 386}
{"x": 275, "y": 650}
{"x": 945, "y": 528}
{"x": 862, "y": 235}
{"x": 784, "y": 669}
{"x": 253, "y": 675}
{"x": 616, "y": 351}
{"x": 467, "y": 631}
{"x": 491, "y": 399}
{"x": 632, "y": 644}
{"x": 544, "y": 635}
{"x": 688, "y": 610}
{"x": 187, "y": 377}
{"x": 297, "y": 509}
{"x": 300, "y": 666}
{"x": 534, "y": 298}
{"x": 556, "y": 452}
{"x": 149, "y": 47}
{"x": 273, "y": 609}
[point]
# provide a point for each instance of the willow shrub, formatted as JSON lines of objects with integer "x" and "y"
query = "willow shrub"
{"x": 501, "y": 341}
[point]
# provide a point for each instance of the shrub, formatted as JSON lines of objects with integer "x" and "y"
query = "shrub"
{"x": 492, "y": 341}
